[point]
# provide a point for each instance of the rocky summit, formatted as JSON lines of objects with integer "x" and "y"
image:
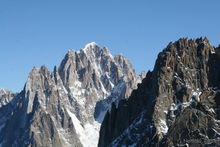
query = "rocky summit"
{"x": 94, "y": 99}
{"x": 64, "y": 108}
{"x": 177, "y": 104}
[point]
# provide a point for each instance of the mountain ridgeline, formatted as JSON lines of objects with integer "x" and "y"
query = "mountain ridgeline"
{"x": 64, "y": 108}
{"x": 177, "y": 104}
{"x": 95, "y": 99}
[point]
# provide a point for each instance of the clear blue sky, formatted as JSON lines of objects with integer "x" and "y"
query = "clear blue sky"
{"x": 40, "y": 32}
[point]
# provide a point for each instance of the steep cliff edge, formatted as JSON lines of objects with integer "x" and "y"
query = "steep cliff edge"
{"x": 176, "y": 103}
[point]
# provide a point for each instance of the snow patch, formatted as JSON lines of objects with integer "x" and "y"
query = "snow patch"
{"x": 162, "y": 127}
{"x": 211, "y": 110}
{"x": 77, "y": 92}
{"x": 212, "y": 52}
{"x": 88, "y": 46}
{"x": 111, "y": 56}
{"x": 196, "y": 94}
{"x": 133, "y": 137}
{"x": 88, "y": 134}
{"x": 118, "y": 87}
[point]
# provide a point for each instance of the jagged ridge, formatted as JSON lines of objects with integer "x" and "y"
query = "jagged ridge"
{"x": 183, "y": 71}
{"x": 66, "y": 107}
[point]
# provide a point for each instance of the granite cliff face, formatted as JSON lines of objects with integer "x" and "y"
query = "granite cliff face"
{"x": 177, "y": 104}
{"x": 65, "y": 107}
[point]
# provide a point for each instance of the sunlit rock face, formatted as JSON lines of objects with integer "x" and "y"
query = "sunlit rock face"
{"x": 66, "y": 106}
{"x": 177, "y": 104}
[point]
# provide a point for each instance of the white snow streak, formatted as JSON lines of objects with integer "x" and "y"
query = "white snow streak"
{"x": 162, "y": 128}
{"x": 89, "y": 134}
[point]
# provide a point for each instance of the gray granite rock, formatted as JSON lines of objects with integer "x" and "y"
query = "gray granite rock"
{"x": 66, "y": 106}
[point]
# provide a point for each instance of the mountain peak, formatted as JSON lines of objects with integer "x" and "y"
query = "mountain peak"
{"x": 90, "y": 45}
{"x": 3, "y": 90}
{"x": 71, "y": 52}
{"x": 65, "y": 107}
{"x": 35, "y": 69}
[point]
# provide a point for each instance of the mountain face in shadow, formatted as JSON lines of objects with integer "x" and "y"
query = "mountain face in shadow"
{"x": 177, "y": 104}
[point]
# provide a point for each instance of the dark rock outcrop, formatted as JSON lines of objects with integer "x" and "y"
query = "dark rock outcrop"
{"x": 176, "y": 104}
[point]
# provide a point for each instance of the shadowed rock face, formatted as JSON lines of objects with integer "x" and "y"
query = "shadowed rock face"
{"x": 176, "y": 104}
{"x": 65, "y": 107}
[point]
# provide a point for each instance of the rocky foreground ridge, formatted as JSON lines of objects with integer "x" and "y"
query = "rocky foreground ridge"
{"x": 177, "y": 104}
{"x": 66, "y": 106}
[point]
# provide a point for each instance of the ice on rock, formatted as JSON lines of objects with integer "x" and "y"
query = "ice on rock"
{"x": 89, "y": 45}
{"x": 162, "y": 127}
{"x": 88, "y": 133}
